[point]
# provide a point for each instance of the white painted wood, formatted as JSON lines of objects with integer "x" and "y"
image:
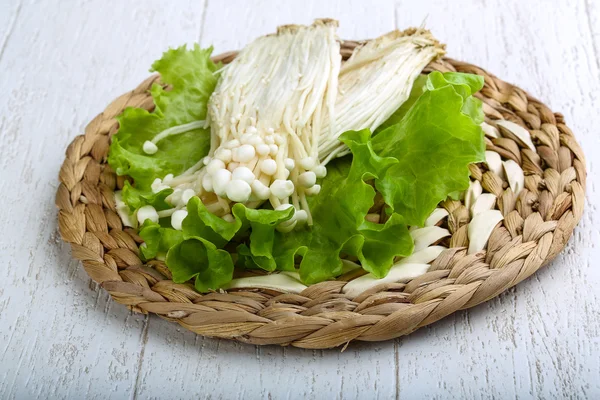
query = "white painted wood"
{"x": 61, "y": 336}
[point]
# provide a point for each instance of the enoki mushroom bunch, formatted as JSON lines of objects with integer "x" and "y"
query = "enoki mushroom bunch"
{"x": 278, "y": 110}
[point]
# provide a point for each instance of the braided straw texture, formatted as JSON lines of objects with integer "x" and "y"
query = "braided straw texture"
{"x": 537, "y": 224}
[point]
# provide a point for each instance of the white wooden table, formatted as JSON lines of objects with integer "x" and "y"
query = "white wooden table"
{"x": 61, "y": 336}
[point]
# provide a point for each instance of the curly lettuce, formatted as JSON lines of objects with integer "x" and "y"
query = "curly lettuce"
{"x": 197, "y": 251}
{"x": 339, "y": 224}
{"x": 191, "y": 77}
{"x": 434, "y": 143}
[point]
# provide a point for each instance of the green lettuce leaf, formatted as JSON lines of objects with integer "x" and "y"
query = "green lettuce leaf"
{"x": 434, "y": 144}
{"x": 196, "y": 252}
{"x": 201, "y": 223}
{"x": 191, "y": 76}
{"x": 465, "y": 85}
{"x": 199, "y": 258}
{"x": 473, "y": 82}
{"x": 136, "y": 198}
{"x": 158, "y": 239}
{"x": 262, "y": 225}
{"x": 339, "y": 225}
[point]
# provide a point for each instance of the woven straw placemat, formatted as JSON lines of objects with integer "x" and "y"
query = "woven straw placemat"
{"x": 537, "y": 224}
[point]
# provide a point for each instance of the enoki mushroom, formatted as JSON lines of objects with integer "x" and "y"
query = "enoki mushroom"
{"x": 278, "y": 110}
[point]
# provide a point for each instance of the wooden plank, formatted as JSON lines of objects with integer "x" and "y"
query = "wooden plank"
{"x": 61, "y": 336}
{"x": 245, "y": 20}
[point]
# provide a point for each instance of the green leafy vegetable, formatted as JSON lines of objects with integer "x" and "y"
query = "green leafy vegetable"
{"x": 199, "y": 258}
{"x": 339, "y": 224}
{"x": 434, "y": 144}
{"x": 136, "y": 198}
{"x": 201, "y": 223}
{"x": 197, "y": 250}
{"x": 262, "y": 236}
{"x": 158, "y": 240}
{"x": 191, "y": 74}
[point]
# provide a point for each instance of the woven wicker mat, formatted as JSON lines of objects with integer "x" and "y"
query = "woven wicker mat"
{"x": 537, "y": 225}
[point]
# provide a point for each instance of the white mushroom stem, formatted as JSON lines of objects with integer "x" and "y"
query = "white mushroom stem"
{"x": 425, "y": 256}
{"x": 480, "y": 228}
{"x": 521, "y": 134}
{"x": 436, "y": 216}
{"x": 123, "y": 210}
{"x": 490, "y": 131}
{"x": 425, "y": 237}
{"x": 473, "y": 193}
{"x": 400, "y": 272}
{"x": 280, "y": 281}
{"x": 165, "y": 213}
{"x": 483, "y": 203}
{"x": 374, "y": 83}
{"x": 494, "y": 163}
{"x": 266, "y": 118}
{"x": 515, "y": 176}
{"x": 150, "y": 145}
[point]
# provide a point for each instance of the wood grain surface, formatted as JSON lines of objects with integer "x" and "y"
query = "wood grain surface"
{"x": 61, "y": 336}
